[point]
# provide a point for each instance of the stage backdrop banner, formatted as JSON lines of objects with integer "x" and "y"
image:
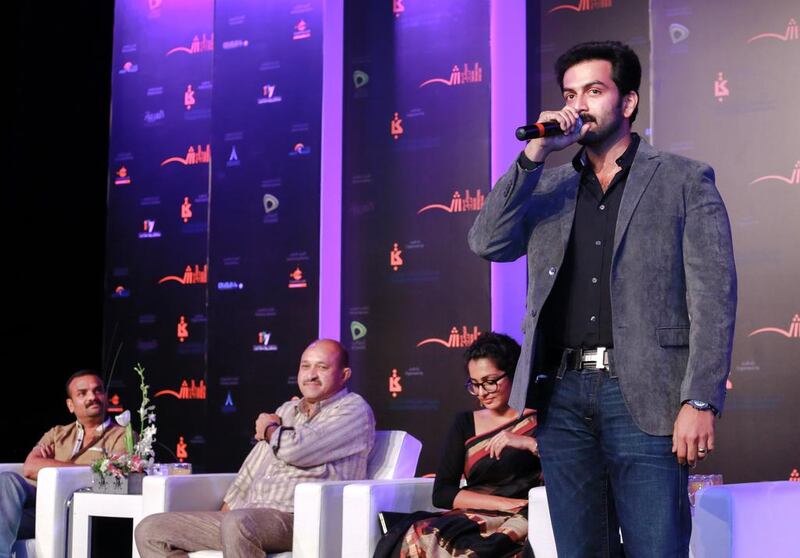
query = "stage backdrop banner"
{"x": 217, "y": 305}
{"x": 264, "y": 243}
{"x": 724, "y": 92}
{"x": 416, "y": 171}
{"x": 158, "y": 194}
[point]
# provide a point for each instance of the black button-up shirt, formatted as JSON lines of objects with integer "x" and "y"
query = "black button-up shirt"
{"x": 578, "y": 311}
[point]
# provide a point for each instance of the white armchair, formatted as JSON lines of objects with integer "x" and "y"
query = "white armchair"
{"x": 363, "y": 501}
{"x": 54, "y": 488}
{"x": 540, "y": 529}
{"x": 318, "y": 506}
{"x": 752, "y": 519}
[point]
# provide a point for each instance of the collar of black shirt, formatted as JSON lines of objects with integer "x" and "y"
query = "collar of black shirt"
{"x": 624, "y": 161}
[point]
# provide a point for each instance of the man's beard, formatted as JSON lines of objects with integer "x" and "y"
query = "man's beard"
{"x": 600, "y": 135}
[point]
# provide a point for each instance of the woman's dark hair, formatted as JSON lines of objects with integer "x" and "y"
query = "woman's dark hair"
{"x": 501, "y": 349}
{"x": 626, "y": 71}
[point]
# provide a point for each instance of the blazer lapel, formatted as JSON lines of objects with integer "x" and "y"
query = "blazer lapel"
{"x": 644, "y": 166}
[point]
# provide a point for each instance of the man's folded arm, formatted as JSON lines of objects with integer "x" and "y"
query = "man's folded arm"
{"x": 348, "y": 431}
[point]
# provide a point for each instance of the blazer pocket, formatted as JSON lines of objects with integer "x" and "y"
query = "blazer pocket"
{"x": 673, "y": 336}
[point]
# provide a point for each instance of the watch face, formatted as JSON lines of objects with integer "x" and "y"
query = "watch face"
{"x": 698, "y": 404}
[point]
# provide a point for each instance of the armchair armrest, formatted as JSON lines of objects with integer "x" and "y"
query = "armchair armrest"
{"x": 55, "y": 486}
{"x": 363, "y": 500}
{"x": 184, "y": 492}
{"x": 540, "y": 529}
{"x": 748, "y": 519}
{"x": 11, "y": 468}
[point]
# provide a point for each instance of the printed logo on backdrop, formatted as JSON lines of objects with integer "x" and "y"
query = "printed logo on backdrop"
{"x": 122, "y": 177}
{"x": 398, "y": 262}
{"x": 114, "y": 404}
{"x": 358, "y": 334}
{"x": 263, "y": 343}
{"x": 458, "y": 203}
{"x": 120, "y": 292}
{"x": 196, "y": 276}
{"x": 301, "y": 31}
{"x": 456, "y": 340}
{"x": 360, "y": 79}
{"x": 186, "y": 391}
{"x": 129, "y": 68}
{"x": 193, "y": 157}
{"x": 678, "y": 33}
{"x": 189, "y": 101}
{"x": 270, "y": 204}
{"x": 186, "y": 210}
{"x": 155, "y": 8}
{"x": 793, "y": 178}
{"x": 268, "y": 95}
{"x": 794, "y": 476}
{"x": 188, "y": 97}
{"x": 228, "y": 406}
{"x": 199, "y": 45}
{"x": 233, "y": 158}
{"x": 721, "y": 90}
{"x": 181, "y": 451}
{"x": 296, "y": 279}
{"x": 396, "y": 126}
{"x": 235, "y": 43}
{"x": 149, "y": 229}
{"x": 230, "y": 286}
{"x": 792, "y": 331}
{"x": 395, "y": 386}
{"x": 182, "y": 329}
{"x": 299, "y": 150}
{"x": 154, "y": 118}
{"x": 583, "y": 6}
{"x": 459, "y": 76}
{"x": 790, "y": 34}
{"x": 357, "y": 330}
{"x": 396, "y": 257}
{"x": 398, "y": 7}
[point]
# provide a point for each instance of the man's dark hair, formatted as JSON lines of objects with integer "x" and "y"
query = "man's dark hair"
{"x": 501, "y": 349}
{"x": 626, "y": 71}
{"x": 80, "y": 373}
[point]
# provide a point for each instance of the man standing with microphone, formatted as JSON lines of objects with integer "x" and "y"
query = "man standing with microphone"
{"x": 630, "y": 311}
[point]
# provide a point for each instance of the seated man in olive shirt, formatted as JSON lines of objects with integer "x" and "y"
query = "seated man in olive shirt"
{"x": 77, "y": 444}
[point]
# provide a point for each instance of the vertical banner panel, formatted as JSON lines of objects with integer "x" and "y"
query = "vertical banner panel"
{"x": 158, "y": 215}
{"x": 722, "y": 76}
{"x": 264, "y": 241}
{"x": 416, "y": 171}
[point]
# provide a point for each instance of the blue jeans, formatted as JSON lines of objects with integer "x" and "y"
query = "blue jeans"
{"x": 17, "y": 515}
{"x": 602, "y": 473}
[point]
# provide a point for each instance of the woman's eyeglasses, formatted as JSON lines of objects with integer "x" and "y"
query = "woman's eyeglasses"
{"x": 489, "y": 386}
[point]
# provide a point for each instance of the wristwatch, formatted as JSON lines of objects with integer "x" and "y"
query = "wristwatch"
{"x": 700, "y": 405}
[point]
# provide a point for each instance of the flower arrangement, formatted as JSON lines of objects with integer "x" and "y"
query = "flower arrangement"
{"x": 139, "y": 454}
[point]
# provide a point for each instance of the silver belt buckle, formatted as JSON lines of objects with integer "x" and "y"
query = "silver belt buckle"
{"x": 596, "y": 357}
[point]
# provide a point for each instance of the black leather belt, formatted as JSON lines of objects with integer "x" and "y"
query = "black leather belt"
{"x": 586, "y": 359}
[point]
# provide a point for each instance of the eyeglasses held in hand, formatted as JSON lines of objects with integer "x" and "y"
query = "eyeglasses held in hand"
{"x": 489, "y": 386}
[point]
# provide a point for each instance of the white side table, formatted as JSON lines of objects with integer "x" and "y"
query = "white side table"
{"x": 86, "y": 505}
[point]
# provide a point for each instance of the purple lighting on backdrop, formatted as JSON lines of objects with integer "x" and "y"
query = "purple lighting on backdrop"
{"x": 330, "y": 272}
{"x": 507, "y": 39}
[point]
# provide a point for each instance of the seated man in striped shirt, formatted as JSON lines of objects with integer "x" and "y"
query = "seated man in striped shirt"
{"x": 326, "y": 435}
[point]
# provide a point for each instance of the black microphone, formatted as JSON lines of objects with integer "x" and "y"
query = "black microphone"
{"x": 538, "y": 130}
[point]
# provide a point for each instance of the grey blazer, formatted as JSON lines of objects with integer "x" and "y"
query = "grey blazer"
{"x": 673, "y": 279}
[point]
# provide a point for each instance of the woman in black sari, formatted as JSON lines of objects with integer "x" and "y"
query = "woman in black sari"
{"x": 494, "y": 449}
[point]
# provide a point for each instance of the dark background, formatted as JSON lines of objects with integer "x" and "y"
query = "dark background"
{"x": 54, "y": 206}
